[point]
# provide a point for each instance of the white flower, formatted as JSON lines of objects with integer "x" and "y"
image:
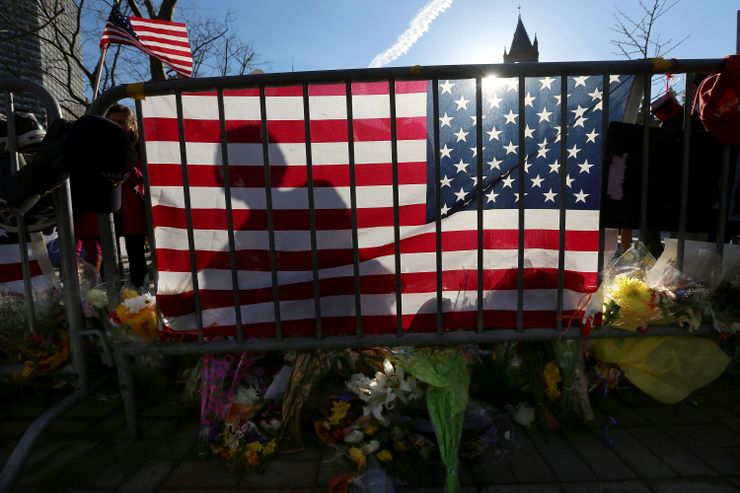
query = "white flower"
{"x": 523, "y": 414}
{"x": 381, "y": 392}
{"x": 371, "y": 447}
{"x": 247, "y": 395}
{"x": 138, "y": 303}
{"x": 354, "y": 436}
{"x": 97, "y": 298}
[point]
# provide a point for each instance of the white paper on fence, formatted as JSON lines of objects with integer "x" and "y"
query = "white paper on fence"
{"x": 701, "y": 261}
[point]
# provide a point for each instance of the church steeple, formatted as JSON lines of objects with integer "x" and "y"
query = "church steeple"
{"x": 522, "y": 49}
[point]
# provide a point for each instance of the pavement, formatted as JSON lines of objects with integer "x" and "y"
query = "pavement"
{"x": 692, "y": 446}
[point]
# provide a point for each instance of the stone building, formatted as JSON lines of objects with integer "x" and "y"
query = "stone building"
{"x": 26, "y": 53}
{"x": 522, "y": 49}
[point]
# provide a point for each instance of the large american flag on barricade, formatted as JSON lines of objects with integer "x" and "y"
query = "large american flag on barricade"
{"x": 375, "y": 205}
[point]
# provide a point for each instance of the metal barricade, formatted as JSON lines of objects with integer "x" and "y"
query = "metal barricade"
{"x": 477, "y": 331}
{"x": 68, "y": 277}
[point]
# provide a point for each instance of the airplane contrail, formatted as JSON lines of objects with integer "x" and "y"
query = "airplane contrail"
{"x": 417, "y": 27}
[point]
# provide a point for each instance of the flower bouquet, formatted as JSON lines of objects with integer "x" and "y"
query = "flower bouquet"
{"x": 241, "y": 408}
{"x": 136, "y": 316}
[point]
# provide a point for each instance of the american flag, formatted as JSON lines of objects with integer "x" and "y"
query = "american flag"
{"x": 372, "y": 152}
{"x": 11, "y": 270}
{"x": 164, "y": 40}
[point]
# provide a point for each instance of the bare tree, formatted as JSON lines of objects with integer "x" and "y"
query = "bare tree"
{"x": 637, "y": 37}
{"x": 71, "y": 46}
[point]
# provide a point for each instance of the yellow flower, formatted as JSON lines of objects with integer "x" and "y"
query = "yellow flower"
{"x": 358, "y": 457}
{"x": 400, "y": 446}
{"x": 370, "y": 428}
{"x": 254, "y": 447}
{"x": 384, "y": 455}
{"x": 338, "y": 412}
{"x": 551, "y": 376}
{"x": 269, "y": 448}
{"x": 634, "y": 299}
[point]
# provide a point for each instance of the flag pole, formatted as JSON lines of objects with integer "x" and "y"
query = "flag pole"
{"x": 98, "y": 72}
{"x": 101, "y": 62}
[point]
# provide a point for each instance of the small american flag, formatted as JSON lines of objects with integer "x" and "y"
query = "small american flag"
{"x": 372, "y": 151}
{"x": 11, "y": 269}
{"x": 164, "y": 40}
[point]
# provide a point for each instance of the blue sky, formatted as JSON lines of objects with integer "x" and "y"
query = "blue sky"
{"x": 334, "y": 34}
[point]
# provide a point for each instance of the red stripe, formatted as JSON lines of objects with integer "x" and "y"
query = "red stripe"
{"x": 386, "y": 324}
{"x": 419, "y": 282}
{"x": 452, "y": 241}
{"x": 285, "y": 131}
{"x": 163, "y": 175}
{"x": 14, "y": 271}
{"x": 288, "y": 220}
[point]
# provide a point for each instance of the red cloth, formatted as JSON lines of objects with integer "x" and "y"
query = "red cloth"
{"x": 132, "y": 215}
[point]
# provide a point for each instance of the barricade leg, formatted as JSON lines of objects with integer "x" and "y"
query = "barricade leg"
{"x": 128, "y": 390}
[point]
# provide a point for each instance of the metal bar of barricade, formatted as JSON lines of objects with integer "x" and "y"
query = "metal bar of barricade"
{"x": 147, "y": 195}
{"x": 396, "y": 206}
{"x": 265, "y": 134}
{"x": 685, "y": 164}
{"x": 479, "y": 199}
{"x": 189, "y": 214}
{"x": 521, "y": 208}
{"x": 452, "y": 338}
{"x": 539, "y": 69}
{"x": 353, "y": 208}
{"x": 645, "y": 158}
{"x": 605, "y": 102}
{"x": 22, "y": 232}
{"x": 235, "y": 290}
{"x": 563, "y": 198}
{"x": 312, "y": 212}
{"x": 437, "y": 207}
{"x": 723, "y": 199}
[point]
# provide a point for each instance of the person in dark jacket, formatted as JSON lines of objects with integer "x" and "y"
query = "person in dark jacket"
{"x": 131, "y": 218}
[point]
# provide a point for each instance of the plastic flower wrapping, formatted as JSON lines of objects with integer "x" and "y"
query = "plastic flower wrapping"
{"x": 241, "y": 407}
{"x": 45, "y": 350}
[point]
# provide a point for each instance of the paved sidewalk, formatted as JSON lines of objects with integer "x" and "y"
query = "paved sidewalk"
{"x": 693, "y": 446}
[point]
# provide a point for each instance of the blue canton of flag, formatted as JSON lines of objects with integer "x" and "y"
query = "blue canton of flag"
{"x": 501, "y": 146}
{"x": 120, "y": 21}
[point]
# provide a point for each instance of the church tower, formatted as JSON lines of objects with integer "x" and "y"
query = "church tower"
{"x": 522, "y": 49}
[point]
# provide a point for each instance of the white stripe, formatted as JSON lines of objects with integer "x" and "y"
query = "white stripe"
{"x": 296, "y": 241}
{"x": 410, "y": 151}
{"x": 465, "y": 260}
{"x": 413, "y": 303}
{"x": 145, "y": 24}
{"x": 288, "y": 199}
{"x": 286, "y": 107}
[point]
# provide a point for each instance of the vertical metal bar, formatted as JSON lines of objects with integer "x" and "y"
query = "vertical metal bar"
{"x": 437, "y": 205}
{"x": 685, "y": 160}
{"x": 396, "y": 205}
{"x": 563, "y": 197}
{"x": 68, "y": 274}
{"x": 127, "y": 384}
{"x": 521, "y": 244}
{"x": 353, "y": 208}
{"x": 270, "y": 219}
{"x": 645, "y": 156}
{"x": 479, "y": 196}
{"x": 312, "y": 213}
{"x": 109, "y": 250}
{"x": 148, "y": 193}
{"x": 189, "y": 214}
{"x": 605, "y": 102}
{"x": 22, "y": 233}
{"x": 233, "y": 265}
{"x": 723, "y": 196}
